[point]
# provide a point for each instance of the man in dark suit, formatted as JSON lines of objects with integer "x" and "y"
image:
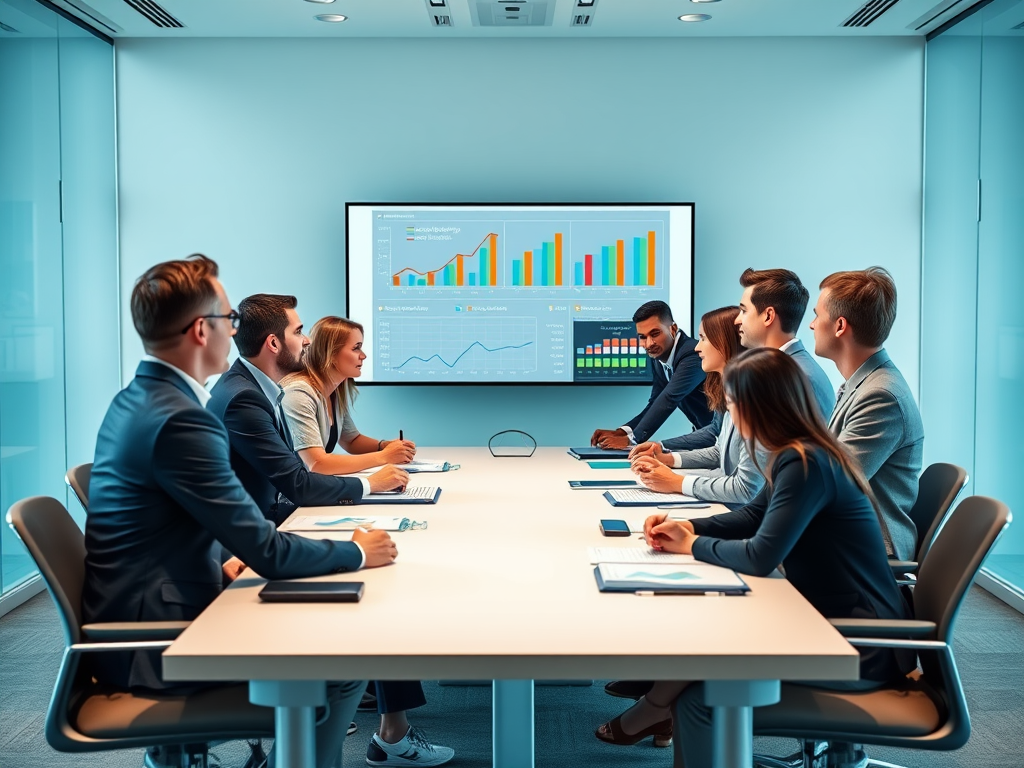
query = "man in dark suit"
{"x": 678, "y": 380}
{"x": 247, "y": 399}
{"x": 771, "y": 309}
{"x": 163, "y": 497}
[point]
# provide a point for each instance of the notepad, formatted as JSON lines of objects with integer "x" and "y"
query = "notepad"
{"x": 696, "y": 578}
{"x": 418, "y": 494}
{"x": 589, "y": 452}
{"x": 646, "y": 498}
{"x": 428, "y": 466}
{"x": 636, "y": 555}
{"x": 609, "y": 464}
{"x": 342, "y": 523}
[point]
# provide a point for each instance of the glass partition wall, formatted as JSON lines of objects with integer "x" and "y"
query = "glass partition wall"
{"x": 57, "y": 225}
{"x": 972, "y": 323}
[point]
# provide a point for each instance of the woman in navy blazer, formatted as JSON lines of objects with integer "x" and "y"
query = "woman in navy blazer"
{"x": 815, "y": 517}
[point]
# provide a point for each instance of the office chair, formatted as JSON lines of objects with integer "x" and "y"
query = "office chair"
{"x": 927, "y": 710}
{"x": 937, "y": 489}
{"x": 78, "y": 479}
{"x": 85, "y": 717}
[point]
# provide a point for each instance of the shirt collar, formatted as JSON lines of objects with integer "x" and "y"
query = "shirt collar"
{"x": 197, "y": 389}
{"x": 789, "y": 344}
{"x": 270, "y": 387}
{"x": 672, "y": 354}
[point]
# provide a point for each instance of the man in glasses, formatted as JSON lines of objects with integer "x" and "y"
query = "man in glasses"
{"x": 163, "y": 498}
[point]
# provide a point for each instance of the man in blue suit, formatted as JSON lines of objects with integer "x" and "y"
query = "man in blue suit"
{"x": 678, "y": 380}
{"x": 163, "y": 497}
{"x": 247, "y": 399}
{"x": 771, "y": 309}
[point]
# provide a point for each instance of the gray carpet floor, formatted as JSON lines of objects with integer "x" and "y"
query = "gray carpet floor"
{"x": 989, "y": 647}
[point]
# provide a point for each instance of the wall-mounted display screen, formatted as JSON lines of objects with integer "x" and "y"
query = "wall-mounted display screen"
{"x": 531, "y": 293}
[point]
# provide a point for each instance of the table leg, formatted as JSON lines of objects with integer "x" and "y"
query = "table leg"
{"x": 294, "y": 703}
{"x": 512, "y": 725}
{"x": 732, "y": 719}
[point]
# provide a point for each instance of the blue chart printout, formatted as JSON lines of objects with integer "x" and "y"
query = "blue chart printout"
{"x": 537, "y": 293}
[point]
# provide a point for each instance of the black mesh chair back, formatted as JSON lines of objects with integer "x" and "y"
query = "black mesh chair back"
{"x": 938, "y": 488}
{"x": 57, "y": 546}
{"x": 954, "y": 559}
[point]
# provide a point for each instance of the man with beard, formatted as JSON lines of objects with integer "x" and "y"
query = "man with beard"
{"x": 248, "y": 400}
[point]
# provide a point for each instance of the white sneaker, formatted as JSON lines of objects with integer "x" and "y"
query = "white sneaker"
{"x": 413, "y": 749}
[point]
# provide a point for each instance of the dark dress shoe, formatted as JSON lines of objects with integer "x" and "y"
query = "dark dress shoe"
{"x": 628, "y": 689}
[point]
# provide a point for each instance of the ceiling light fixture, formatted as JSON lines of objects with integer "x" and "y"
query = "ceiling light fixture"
{"x": 692, "y": 1}
{"x": 325, "y": 2}
{"x": 694, "y": 17}
{"x": 332, "y": 17}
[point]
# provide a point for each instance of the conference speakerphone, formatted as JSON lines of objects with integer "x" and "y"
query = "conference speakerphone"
{"x": 524, "y": 293}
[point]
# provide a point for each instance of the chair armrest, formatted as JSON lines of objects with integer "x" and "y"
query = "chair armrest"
{"x": 132, "y": 631}
{"x": 882, "y": 628}
{"x": 902, "y": 567}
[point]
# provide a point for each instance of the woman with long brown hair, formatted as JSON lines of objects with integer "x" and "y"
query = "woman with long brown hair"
{"x": 815, "y": 516}
{"x": 317, "y": 401}
{"x": 724, "y": 472}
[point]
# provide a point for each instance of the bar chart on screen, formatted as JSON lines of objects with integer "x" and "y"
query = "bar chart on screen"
{"x": 620, "y": 254}
{"x": 448, "y": 347}
{"x": 608, "y": 351}
{"x": 444, "y": 255}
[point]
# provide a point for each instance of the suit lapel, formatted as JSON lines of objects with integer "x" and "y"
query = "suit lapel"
{"x": 160, "y": 372}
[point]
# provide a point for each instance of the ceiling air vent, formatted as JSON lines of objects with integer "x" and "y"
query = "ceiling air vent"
{"x": 583, "y": 13}
{"x": 440, "y": 15}
{"x": 523, "y": 13}
{"x": 869, "y": 12}
{"x": 155, "y": 14}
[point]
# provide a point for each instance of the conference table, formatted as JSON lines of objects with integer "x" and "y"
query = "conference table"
{"x": 499, "y": 586}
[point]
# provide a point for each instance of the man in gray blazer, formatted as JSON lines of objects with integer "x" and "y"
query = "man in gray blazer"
{"x": 771, "y": 309}
{"x": 875, "y": 416}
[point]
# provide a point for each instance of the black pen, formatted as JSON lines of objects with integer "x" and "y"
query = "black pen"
{"x": 400, "y": 435}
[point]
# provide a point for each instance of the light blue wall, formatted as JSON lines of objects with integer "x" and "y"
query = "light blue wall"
{"x": 800, "y": 153}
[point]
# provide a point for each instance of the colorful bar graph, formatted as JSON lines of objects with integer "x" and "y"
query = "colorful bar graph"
{"x": 612, "y": 353}
{"x": 619, "y": 265}
{"x": 544, "y": 266}
{"x": 461, "y": 270}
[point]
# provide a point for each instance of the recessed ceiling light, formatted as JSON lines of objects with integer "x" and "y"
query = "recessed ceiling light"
{"x": 332, "y": 17}
{"x": 692, "y": 1}
{"x": 694, "y": 17}
{"x": 325, "y": 2}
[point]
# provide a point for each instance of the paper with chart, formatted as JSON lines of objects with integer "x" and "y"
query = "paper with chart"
{"x": 694, "y": 577}
{"x": 636, "y": 555}
{"x": 342, "y": 523}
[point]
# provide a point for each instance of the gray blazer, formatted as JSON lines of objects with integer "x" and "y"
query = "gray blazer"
{"x": 724, "y": 472}
{"x": 877, "y": 420}
{"x": 823, "y": 392}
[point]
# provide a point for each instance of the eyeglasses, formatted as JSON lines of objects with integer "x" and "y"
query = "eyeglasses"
{"x": 233, "y": 316}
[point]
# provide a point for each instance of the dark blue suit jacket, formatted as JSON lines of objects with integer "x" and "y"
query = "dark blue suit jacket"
{"x": 161, "y": 496}
{"x": 684, "y": 391}
{"x": 264, "y": 463}
{"x": 813, "y": 519}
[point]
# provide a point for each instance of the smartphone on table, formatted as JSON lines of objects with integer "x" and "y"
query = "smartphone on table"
{"x": 614, "y": 528}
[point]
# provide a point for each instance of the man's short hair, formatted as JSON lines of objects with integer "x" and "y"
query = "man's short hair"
{"x": 260, "y": 316}
{"x": 171, "y": 294}
{"x": 658, "y": 309}
{"x": 781, "y": 290}
{"x": 867, "y": 299}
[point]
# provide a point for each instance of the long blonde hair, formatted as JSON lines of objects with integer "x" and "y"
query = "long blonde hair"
{"x": 327, "y": 337}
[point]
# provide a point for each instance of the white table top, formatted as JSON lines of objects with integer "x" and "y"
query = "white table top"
{"x": 499, "y": 586}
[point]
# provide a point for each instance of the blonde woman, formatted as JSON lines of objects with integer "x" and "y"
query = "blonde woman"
{"x": 317, "y": 401}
